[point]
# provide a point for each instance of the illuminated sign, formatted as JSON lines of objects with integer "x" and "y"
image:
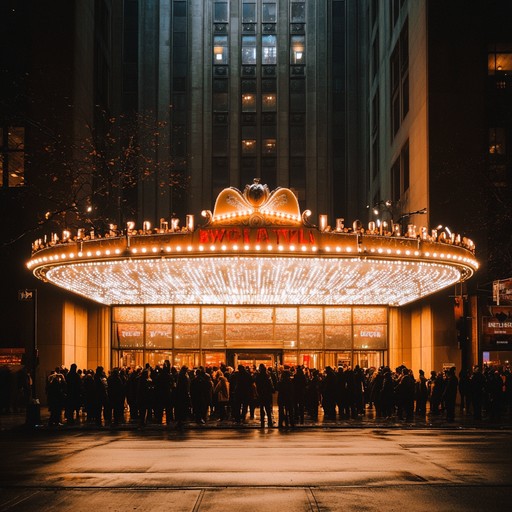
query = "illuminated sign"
{"x": 493, "y": 326}
{"x": 260, "y": 236}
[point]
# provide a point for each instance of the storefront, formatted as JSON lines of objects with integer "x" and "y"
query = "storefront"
{"x": 496, "y": 339}
{"x": 257, "y": 281}
{"x": 211, "y": 335}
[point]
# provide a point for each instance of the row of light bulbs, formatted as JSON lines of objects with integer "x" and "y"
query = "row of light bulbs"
{"x": 240, "y": 280}
{"x": 159, "y": 250}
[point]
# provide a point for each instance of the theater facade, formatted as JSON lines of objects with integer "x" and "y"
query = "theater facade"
{"x": 256, "y": 281}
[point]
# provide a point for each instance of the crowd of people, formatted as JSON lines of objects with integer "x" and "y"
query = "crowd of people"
{"x": 164, "y": 394}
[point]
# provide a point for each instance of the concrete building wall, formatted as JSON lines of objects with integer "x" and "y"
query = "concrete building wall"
{"x": 99, "y": 338}
{"x": 74, "y": 334}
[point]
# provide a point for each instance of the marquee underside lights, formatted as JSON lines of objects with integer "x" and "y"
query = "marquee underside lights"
{"x": 255, "y": 249}
{"x": 253, "y": 280}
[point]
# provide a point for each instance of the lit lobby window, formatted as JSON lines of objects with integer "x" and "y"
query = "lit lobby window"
{"x": 248, "y": 103}
{"x": 298, "y": 55}
{"x": 269, "y": 146}
{"x": 248, "y": 146}
{"x": 269, "y": 102}
{"x": 248, "y": 49}
{"x": 269, "y": 49}
{"x": 220, "y": 49}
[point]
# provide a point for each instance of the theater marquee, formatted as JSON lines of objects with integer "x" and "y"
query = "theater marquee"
{"x": 255, "y": 248}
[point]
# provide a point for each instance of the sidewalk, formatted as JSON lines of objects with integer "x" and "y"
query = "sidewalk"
{"x": 18, "y": 420}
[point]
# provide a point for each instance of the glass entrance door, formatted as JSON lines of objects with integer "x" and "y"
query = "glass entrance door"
{"x": 368, "y": 358}
{"x": 254, "y": 359}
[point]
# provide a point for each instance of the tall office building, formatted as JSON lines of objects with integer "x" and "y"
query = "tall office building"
{"x": 252, "y": 89}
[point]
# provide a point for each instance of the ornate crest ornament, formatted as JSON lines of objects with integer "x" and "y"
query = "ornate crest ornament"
{"x": 255, "y": 206}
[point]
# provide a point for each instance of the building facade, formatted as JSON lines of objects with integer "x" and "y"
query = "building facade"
{"x": 348, "y": 103}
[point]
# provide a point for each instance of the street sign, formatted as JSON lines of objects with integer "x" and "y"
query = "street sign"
{"x": 26, "y": 295}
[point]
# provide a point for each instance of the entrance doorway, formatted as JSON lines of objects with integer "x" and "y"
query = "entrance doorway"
{"x": 368, "y": 358}
{"x": 253, "y": 358}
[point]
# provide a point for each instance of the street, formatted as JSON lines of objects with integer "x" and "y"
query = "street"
{"x": 251, "y": 469}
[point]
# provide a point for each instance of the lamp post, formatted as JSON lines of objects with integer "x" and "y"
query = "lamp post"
{"x": 33, "y": 416}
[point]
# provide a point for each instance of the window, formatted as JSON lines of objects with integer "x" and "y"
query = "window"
{"x": 248, "y": 170}
{"x": 248, "y": 146}
{"x": 375, "y": 157}
{"x": 269, "y": 49}
{"x": 248, "y": 102}
{"x": 400, "y": 173}
{"x": 248, "y": 49}
{"x": 12, "y": 156}
{"x": 220, "y": 101}
{"x": 297, "y": 47}
{"x": 395, "y": 179}
{"x": 298, "y": 14}
{"x": 500, "y": 65}
{"x": 220, "y": 140}
{"x": 269, "y": 102}
{"x": 220, "y": 12}
{"x": 399, "y": 65}
{"x": 269, "y": 12}
{"x": 248, "y": 12}
{"x": 405, "y": 167}
{"x": 220, "y": 49}
{"x": 269, "y": 146}
{"x": 497, "y": 139}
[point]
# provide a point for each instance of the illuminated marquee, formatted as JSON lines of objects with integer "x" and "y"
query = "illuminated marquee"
{"x": 255, "y": 249}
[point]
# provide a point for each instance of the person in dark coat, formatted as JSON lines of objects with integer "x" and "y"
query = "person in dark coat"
{"x": 387, "y": 395}
{"x": 182, "y": 401}
{"x": 299, "y": 391}
{"x": 375, "y": 389}
{"x": 164, "y": 387}
{"x": 145, "y": 396}
{"x": 436, "y": 385}
{"x": 221, "y": 393}
{"x": 405, "y": 395}
{"x": 285, "y": 400}
{"x": 101, "y": 396}
{"x": 450, "y": 393}
{"x": 265, "y": 390}
{"x": 241, "y": 391}
{"x": 116, "y": 396}
{"x": 358, "y": 392}
{"x": 56, "y": 396}
{"x": 329, "y": 392}
{"x": 476, "y": 387}
{"x": 89, "y": 396}
{"x": 464, "y": 391}
{"x": 201, "y": 395}
{"x": 421, "y": 394}
{"x": 313, "y": 395}
{"x": 74, "y": 394}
